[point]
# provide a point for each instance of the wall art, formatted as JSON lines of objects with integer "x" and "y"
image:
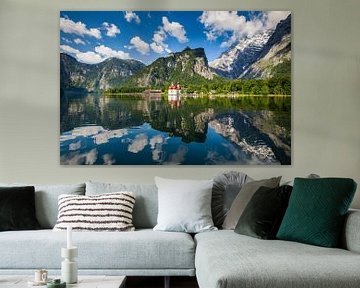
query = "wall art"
{"x": 175, "y": 87}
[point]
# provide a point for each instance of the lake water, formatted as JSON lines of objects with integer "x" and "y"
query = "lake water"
{"x": 133, "y": 130}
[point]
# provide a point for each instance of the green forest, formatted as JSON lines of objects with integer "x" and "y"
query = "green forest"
{"x": 273, "y": 86}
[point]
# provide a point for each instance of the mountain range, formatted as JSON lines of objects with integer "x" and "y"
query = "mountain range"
{"x": 262, "y": 56}
{"x": 105, "y": 75}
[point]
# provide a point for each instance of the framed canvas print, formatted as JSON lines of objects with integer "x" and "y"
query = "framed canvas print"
{"x": 175, "y": 87}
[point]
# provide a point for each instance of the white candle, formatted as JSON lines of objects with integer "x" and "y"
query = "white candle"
{"x": 69, "y": 239}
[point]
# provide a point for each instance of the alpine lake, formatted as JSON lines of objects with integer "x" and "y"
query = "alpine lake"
{"x": 148, "y": 129}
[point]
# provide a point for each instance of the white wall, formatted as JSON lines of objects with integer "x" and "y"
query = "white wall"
{"x": 326, "y": 91}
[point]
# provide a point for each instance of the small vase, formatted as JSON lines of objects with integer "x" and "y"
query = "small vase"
{"x": 69, "y": 271}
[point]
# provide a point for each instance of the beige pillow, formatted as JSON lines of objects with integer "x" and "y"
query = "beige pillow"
{"x": 243, "y": 198}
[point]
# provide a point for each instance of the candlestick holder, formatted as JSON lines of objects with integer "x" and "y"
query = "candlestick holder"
{"x": 69, "y": 271}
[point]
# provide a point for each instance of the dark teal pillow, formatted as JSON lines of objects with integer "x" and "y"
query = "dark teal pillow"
{"x": 316, "y": 211}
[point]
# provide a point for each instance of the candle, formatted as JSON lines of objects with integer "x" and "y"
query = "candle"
{"x": 69, "y": 239}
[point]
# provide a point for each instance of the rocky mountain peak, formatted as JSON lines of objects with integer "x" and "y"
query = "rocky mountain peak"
{"x": 240, "y": 55}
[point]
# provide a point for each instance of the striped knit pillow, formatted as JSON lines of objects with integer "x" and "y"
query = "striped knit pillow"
{"x": 105, "y": 212}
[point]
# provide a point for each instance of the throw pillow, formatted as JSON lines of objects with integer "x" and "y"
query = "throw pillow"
{"x": 17, "y": 209}
{"x": 263, "y": 215}
{"x": 106, "y": 212}
{"x": 243, "y": 198}
{"x": 46, "y": 200}
{"x": 317, "y": 209}
{"x": 226, "y": 187}
{"x": 146, "y": 205}
{"x": 184, "y": 205}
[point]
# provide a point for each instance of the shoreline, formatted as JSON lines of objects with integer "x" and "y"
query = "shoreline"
{"x": 191, "y": 95}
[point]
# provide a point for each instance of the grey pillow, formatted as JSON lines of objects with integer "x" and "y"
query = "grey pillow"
{"x": 46, "y": 200}
{"x": 243, "y": 198}
{"x": 226, "y": 187}
{"x": 146, "y": 206}
{"x": 310, "y": 176}
{"x": 184, "y": 205}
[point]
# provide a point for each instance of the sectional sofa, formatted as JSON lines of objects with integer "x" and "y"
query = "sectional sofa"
{"x": 219, "y": 259}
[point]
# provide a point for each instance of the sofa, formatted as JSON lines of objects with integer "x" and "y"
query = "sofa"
{"x": 218, "y": 258}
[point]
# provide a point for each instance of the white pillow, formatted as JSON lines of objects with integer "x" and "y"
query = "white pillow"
{"x": 105, "y": 212}
{"x": 184, "y": 205}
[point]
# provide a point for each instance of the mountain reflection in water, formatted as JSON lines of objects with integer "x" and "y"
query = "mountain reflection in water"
{"x": 126, "y": 131}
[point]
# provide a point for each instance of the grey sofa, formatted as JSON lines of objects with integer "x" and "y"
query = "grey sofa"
{"x": 218, "y": 259}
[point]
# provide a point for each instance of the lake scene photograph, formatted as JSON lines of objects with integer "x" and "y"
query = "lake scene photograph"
{"x": 175, "y": 87}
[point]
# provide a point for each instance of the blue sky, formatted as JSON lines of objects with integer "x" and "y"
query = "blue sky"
{"x": 93, "y": 36}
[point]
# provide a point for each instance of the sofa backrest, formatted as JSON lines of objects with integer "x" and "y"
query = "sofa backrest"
{"x": 146, "y": 203}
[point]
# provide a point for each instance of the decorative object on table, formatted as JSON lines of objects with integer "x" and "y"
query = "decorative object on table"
{"x": 317, "y": 210}
{"x": 69, "y": 271}
{"x": 106, "y": 212}
{"x": 40, "y": 279}
{"x": 216, "y": 86}
{"x": 56, "y": 283}
{"x": 41, "y": 275}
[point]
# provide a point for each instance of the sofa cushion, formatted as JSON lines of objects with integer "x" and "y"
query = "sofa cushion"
{"x": 46, "y": 200}
{"x": 143, "y": 249}
{"x": 225, "y": 189}
{"x": 105, "y": 212}
{"x": 317, "y": 209}
{"x": 184, "y": 205}
{"x": 243, "y": 198}
{"x": 225, "y": 259}
{"x": 146, "y": 205}
{"x": 263, "y": 215}
{"x": 17, "y": 208}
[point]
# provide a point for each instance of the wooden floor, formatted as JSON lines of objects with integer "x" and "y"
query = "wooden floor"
{"x": 158, "y": 282}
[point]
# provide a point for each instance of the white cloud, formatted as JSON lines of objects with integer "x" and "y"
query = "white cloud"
{"x": 68, "y": 49}
{"x": 111, "y": 29}
{"x": 86, "y": 57}
{"x": 210, "y": 35}
{"x": 234, "y": 26}
{"x": 66, "y": 40}
{"x": 78, "y": 28}
{"x": 87, "y": 158}
{"x": 107, "y": 52}
{"x": 89, "y": 57}
{"x": 272, "y": 18}
{"x": 157, "y": 139}
{"x": 79, "y": 41}
{"x": 138, "y": 144}
{"x": 75, "y": 146}
{"x": 108, "y": 159}
{"x": 175, "y": 29}
{"x": 157, "y": 48}
{"x": 156, "y": 144}
{"x": 106, "y": 135}
{"x": 140, "y": 45}
{"x": 129, "y": 16}
{"x": 179, "y": 156}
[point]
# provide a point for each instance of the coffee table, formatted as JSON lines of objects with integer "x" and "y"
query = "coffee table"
{"x": 84, "y": 281}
